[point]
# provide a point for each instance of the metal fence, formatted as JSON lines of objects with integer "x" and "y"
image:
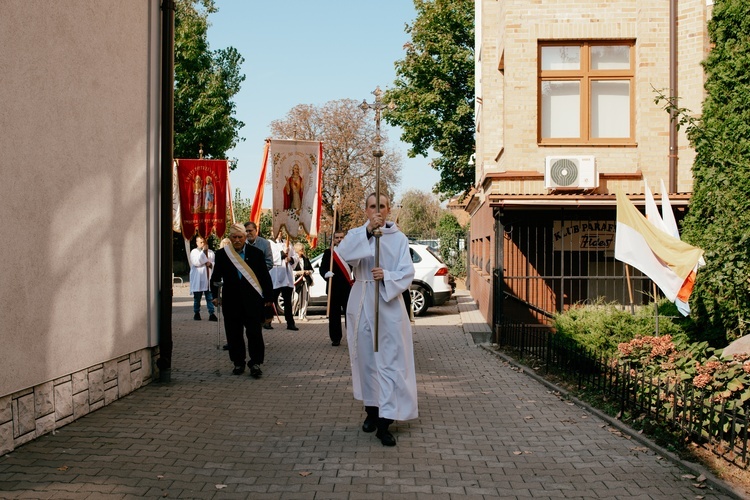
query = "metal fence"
{"x": 692, "y": 413}
{"x": 551, "y": 260}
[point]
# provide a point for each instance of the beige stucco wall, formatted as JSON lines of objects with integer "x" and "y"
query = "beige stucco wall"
{"x": 78, "y": 196}
{"x": 507, "y": 119}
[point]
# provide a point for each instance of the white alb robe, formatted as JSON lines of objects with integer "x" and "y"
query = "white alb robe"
{"x": 386, "y": 378}
{"x": 199, "y": 273}
{"x": 282, "y": 272}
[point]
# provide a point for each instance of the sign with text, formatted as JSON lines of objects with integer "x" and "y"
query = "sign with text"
{"x": 583, "y": 236}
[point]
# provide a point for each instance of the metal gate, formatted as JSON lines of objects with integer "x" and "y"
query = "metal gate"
{"x": 551, "y": 260}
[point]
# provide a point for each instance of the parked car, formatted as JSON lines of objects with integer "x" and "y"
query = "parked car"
{"x": 430, "y": 287}
{"x": 431, "y": 284}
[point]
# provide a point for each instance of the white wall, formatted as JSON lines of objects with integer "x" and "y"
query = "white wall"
{"x": 79, "y": 190}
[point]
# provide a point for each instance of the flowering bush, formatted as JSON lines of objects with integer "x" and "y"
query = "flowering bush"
{"x": 720, "y": 380}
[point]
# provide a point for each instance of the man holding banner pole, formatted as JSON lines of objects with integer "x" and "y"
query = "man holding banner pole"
{"x": 247, "y": 288}
{"x": 339, "y": 282}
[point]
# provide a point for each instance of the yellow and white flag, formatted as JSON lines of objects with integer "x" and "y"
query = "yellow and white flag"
{"x": 666, "y": 260}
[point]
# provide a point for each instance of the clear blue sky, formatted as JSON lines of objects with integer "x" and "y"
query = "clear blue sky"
{"x": 344, "y": 49}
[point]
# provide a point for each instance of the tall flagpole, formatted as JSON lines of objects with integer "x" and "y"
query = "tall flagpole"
{"x": 378, "y": 106}
{"x": 333, "y": 235}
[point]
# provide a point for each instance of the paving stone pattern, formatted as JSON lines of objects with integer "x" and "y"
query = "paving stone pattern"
{"x": 485, "y": 430}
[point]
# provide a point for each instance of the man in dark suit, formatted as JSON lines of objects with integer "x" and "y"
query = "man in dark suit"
{"x": 339, "y": 280}
{"x": 247, "y": 288}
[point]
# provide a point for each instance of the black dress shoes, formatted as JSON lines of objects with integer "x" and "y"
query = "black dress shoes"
{"x": 385, "y": 437}
{"x": 292, "y": 327}
{"x": 255, "y": 371}
{"x": 334, "y": 344}
{"x": 370, "y": 424}
{"x": 197, "y": 317}
{"x": 238, "y": 370}
{"x": 267, "y": 326}
{"x": 213, "y": 317}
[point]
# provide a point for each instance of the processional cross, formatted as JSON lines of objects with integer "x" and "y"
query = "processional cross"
{"x": 378, "y": 106}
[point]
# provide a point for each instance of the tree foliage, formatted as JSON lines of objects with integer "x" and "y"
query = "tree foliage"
{"x": 242, "y": 208}
{"x": 434, "y": 90}
{"x": 205, "y": 83}
{"x": 418, "y": 214}
{"x": 451, "y": 236}
{"x": 719, "y": 214}
{"x": 348, "y": 136}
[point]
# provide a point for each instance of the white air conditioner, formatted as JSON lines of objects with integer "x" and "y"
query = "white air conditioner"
{"x": 570, "y": 172}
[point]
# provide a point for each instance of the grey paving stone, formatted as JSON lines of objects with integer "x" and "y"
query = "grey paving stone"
{"x": 486, "y": 430}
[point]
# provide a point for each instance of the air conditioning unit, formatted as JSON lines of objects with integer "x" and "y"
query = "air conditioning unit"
{"x": 570, "y": 172}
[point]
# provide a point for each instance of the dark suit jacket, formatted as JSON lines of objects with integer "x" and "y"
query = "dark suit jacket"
{"x": 238, "y": 295}
{"x": 340, "y": 284}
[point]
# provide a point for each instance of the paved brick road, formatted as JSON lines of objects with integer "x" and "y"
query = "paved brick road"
{"x": 485, "y": 430}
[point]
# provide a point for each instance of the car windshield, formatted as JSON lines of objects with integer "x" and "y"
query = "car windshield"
{"x": 435, "y": 254}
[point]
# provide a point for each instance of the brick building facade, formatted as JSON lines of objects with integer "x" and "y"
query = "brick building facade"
{"x": 577, "y": 82}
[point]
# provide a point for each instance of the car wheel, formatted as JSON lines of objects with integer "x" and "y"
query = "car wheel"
{"x": 418, "y": 300}
{"x": 280, "y": 305}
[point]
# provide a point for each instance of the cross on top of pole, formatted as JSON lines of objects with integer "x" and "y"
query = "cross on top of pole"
{"x": 378, "y": 106}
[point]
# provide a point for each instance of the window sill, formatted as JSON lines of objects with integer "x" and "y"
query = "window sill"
{"x": 557, "y": 144}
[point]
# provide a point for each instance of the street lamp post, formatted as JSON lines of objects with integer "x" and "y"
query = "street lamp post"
{"x": 378, "y": 106}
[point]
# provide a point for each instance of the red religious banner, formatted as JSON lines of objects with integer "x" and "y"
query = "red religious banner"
{"x": 203, "y": 196}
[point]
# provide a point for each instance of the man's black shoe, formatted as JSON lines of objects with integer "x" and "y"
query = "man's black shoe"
{"x": 385, "y": 437}
{"x": 255, "y": 371}
{"x": 292, "y": 327}
{"x": 267, "y": 326}
{"x": 370, "y": 424}
{"x": 225, "y": 347}
{"x": 238, "y": 370}
{"x": 213, "y": 317}
{"x": 334, "y": 344}
{"x": 197, "y": 317}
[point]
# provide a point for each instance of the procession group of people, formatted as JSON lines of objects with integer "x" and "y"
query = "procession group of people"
{"x": 249, "y": 273}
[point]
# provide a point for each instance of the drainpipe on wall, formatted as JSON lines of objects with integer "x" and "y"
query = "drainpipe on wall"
{"x": 164, "y": 363}
{"x": 498, "y": 278}
{"x": 673, "y": 96}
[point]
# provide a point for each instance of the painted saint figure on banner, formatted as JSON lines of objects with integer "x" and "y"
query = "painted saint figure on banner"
{"x": 208, "y": 195}
{"x": 197, "y": 195}
{"x": 293, "y": 190}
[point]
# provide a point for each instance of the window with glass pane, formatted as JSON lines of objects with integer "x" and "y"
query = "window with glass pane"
{"x": 563, "y": 57}
{"x": 585, "y": 92}
{"x": 604, "y": 57}
{"x": 561, "y": 109}
{"x": 610, "y": 109}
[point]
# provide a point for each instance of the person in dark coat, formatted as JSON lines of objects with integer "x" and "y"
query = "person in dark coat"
{"x": 246, "y": 289}
{"x": 338, "y": 284}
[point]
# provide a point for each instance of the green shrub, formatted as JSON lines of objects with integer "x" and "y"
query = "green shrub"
{"x": 603, "y": 326}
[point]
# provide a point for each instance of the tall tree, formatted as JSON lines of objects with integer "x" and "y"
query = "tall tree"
{"x": 348, "y": 136}
{"x": 419, "y": 213}
{"x": 434, "y": 90}
{"x": 205, "y": 83}
{"x": 719, "y": 215}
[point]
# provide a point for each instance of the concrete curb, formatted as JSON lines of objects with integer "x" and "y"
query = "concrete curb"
{"x": 696, "y": 469}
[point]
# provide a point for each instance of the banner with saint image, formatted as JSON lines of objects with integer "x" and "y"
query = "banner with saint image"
{"x": 297, "y": 181}
{"x": 203, "y": 196}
